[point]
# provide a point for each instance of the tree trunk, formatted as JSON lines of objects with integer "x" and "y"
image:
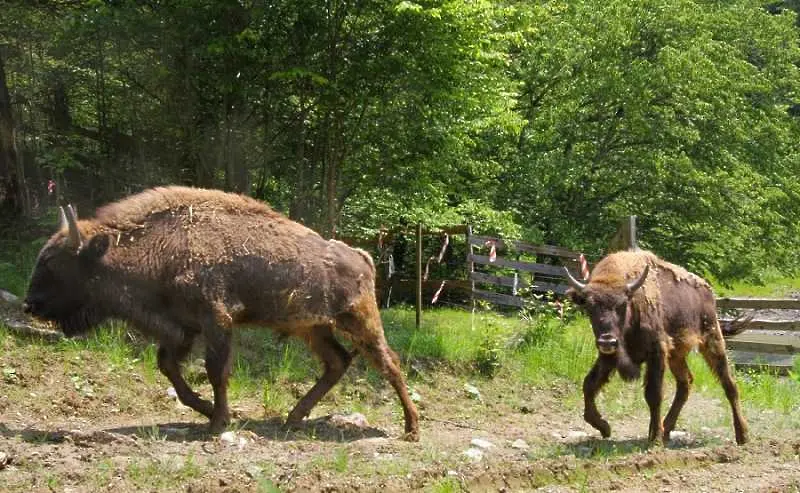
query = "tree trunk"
{"x": 12, "y": 194}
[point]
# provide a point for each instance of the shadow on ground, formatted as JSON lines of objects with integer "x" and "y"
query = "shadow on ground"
{"x": 320, "y": 429}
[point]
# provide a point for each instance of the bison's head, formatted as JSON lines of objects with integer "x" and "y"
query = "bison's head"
{"x": 609, "y": 309}
{"x": 64, "y": 271}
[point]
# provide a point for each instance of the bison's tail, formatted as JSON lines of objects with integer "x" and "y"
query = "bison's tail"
{"x": 737, "y": 325}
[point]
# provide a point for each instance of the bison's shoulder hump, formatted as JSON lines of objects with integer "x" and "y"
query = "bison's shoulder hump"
{"x": 136, "y": 208}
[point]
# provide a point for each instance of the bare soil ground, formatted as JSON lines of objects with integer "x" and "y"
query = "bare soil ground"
{"x": 72, "y": 421}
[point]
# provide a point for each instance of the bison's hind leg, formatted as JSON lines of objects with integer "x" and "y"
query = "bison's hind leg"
{"x": 335, "y": 360}
{"x": 713, "y": 350}
{"x": 364, "y": 327}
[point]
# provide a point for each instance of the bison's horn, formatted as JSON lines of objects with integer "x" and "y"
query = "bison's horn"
{"x": 634, "y": 285}
{"x": 574, "y": 282}
{"x": 75, "y": 239}
{"x": 64, "y": 223}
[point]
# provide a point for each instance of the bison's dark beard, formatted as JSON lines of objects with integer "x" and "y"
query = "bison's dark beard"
{"x": 627, "y": 369}
{"x": 79, "y": 321}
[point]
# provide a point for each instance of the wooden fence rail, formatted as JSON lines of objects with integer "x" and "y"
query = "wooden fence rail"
{"x": 772, "y": 337}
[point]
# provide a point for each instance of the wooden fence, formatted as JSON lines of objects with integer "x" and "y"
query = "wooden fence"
{"x": 515, "y": 265}
{"x": 772, "y": 337}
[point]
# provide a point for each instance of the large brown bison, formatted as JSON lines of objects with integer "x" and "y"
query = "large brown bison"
{"x": 646, "y": 310}
{"x": 180, "y": 262}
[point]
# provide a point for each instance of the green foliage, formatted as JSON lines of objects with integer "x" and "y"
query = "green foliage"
{"x": 794, "y": 373}
{"x": 545, "y": 121}
{"x": 488, "y": 357}
{"x": 674, "y": 112}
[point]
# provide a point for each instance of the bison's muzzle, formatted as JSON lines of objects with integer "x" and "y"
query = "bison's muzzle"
{"x": 607, "y": 344}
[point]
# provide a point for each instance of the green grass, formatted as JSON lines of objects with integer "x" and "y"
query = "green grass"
{"x": 162, "y": 473}
{"x": 773, "y": 283}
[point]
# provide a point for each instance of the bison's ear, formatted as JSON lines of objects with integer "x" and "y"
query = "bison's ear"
{"x": 96, "y": 247}
{"x": 575, "y": 296}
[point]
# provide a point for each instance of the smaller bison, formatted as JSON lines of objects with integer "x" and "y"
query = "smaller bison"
{"x": 178, "y": 263}
{"x": 646, "y": 310}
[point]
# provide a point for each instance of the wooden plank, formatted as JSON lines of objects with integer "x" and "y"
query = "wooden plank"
{"x": 459, "y": 229}
{"x": 499, "y": 299}
{"x": 766, "y": 343}
{"x": 758, "y": 303}
{"x": 780, "y": 363}
{"x": 551, "y": 270}
{"x": 543, "y": 287}
{"x": 556, "y": 251}
{"x": 507, "y": 281}
{"x": 771, "y": 325}
{"x": 409, "y": 285}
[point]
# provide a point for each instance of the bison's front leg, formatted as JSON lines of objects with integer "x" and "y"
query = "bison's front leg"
{"x": 169, "y": 361}
{"x": 653, "y": 394}
{"x": 594, "y": 381}
{"x": 218, "y": 368}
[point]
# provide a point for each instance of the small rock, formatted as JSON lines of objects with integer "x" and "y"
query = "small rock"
{"x": 415, "y": 397}
{"x": 8, "y": 297}
{"x": 354, "y": 420}
{"x": 171, "y": 393}
{"x": 472, "y": 391}
{"x": 519, "y": 444}
{"x": 576, "y": 435}
{"x": 253, "y": 471}
{"x": 452, "y": 473}
{"x": 230, "y": 438}
{"x": 680, "y": 437}
{"x": 474, "y": 454}
{"x": 481, "y": 443}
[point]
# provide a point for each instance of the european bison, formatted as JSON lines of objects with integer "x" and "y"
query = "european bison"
{"x": 646, "y": 310}
{"x": 180, "y": 262}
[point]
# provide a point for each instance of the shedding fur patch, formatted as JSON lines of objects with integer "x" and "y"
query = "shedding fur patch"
{"x": 132, "y": 211}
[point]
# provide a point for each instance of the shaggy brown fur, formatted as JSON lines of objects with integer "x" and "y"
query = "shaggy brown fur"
{"x": 658, "y": 324}
{"x": 178, "y": 262}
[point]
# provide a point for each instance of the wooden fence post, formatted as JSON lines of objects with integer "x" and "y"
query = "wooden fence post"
{"x": 419, "y": 274}
{"x": 470, "y": 267}
{"x": 625, "y": 237}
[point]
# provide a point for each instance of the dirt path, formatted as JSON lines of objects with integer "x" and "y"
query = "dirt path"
{"x": 79, "y": 420}
{"x": 89, "y": 444}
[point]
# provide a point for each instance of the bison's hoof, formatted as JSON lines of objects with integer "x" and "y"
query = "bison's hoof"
{"x": 217, "y": 426}
{"x": 291, "y": 424}
{"x": 603, "y": 427}
{"x": 411, "y": 436}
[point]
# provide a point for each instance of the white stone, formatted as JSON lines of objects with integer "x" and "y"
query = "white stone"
{"x": 481, "y": 443}
{"x": 520, "y": 444}
{"x": 576, "y": 435}
{"x": 474, "y": 454}
{"x": 228, "y": 437}
{"x": 472, "y": 391}
{"x": 354, "y": 420}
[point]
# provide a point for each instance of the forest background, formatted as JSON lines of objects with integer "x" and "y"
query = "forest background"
{"x": 546, "y": 121}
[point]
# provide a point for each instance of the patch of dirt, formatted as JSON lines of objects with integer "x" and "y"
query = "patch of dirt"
{"x": 70, "y": 421}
